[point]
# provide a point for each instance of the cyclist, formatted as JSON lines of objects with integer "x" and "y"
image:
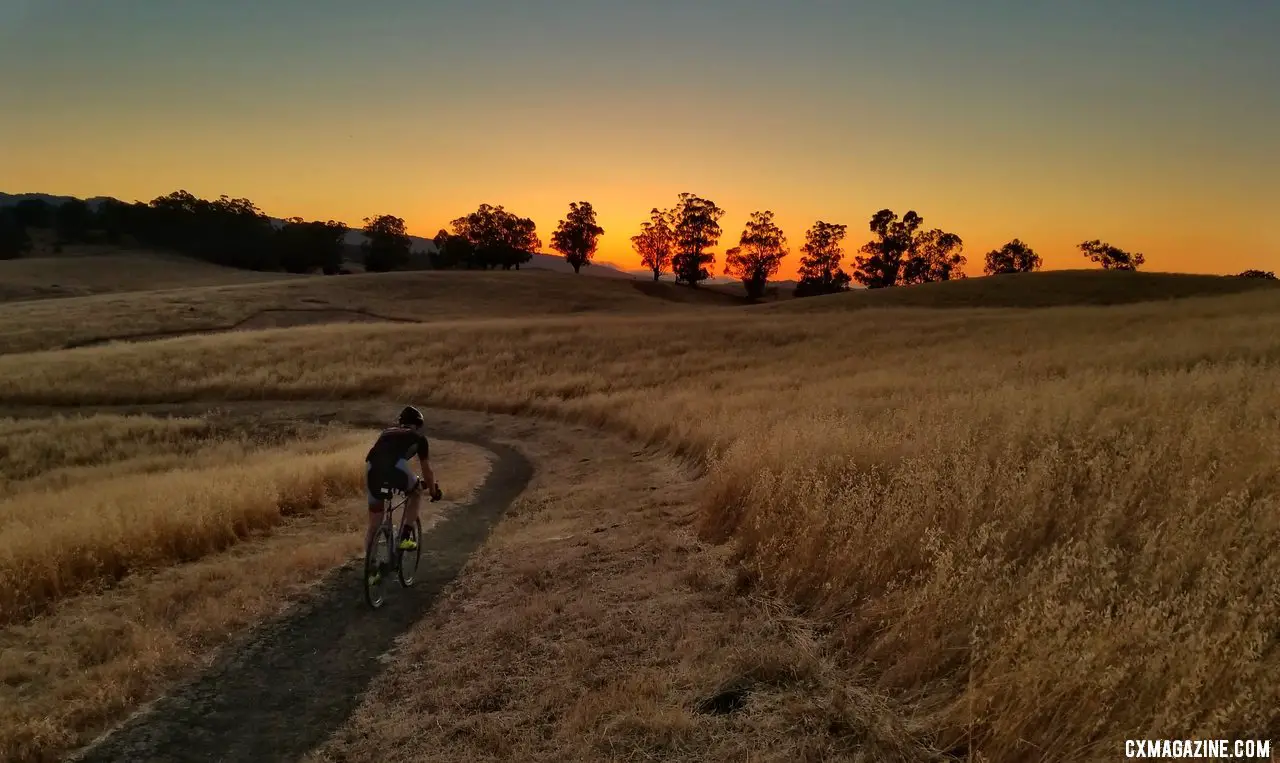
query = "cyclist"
{"x": 387, "y": 465}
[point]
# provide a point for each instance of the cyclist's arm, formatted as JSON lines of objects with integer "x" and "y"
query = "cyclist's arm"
{"x": 424, "y": 460}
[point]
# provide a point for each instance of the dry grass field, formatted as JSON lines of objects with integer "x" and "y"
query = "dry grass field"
{"x": 111, "y": 580}
{"x": 594, "y": 625}
{"x": 82, "y": 271}
{"x": 420, "y": 296}
{"x": 1035, "y": 532}
{"x": 1052, "y": 288}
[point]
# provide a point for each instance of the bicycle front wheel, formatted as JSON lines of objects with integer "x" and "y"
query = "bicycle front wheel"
{"x": 377, "y": 560}
{"x": 408, "y": 568}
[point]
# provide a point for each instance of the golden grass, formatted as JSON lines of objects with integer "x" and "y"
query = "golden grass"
{"x": 1050, "y": 530}
{"x": 84, "y": 270}
{"x": 58, "y": 543}
{"x": 418, "y": 296}
{"x": 592, "y": 625}
{"x": 1050, "y": 288}
{"x": 67, "y": 675}
{"x": 64, "y": 450}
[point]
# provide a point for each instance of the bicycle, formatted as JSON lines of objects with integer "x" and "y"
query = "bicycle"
{"x": 376, "y": 564}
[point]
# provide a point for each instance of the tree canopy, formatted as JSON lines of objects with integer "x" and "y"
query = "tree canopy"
{"x": 1013, "y": 257}
{"x": 655, "y": 243}
{"x": 497, "y": 237}
{"x": 758, "y": 255}
{"x": 696, "y": 229}
{"x": 578, "y": 235}
{"x": 820, "y": 267}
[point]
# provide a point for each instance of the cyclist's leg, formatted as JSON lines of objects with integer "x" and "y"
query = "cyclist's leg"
{"x": 411, "y": 484}
{"x": 376, "y": 504}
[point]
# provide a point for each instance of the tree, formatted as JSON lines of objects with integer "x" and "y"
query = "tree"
{"x": 72, "y": 220}
{"x": 883, "y": 261}
{"x": 820, "y": 271}
{"x": 498, "y": 237}
{"x": 33, "y": 213}
{"x": 697, "y": 228}
{"x": 656, "y": 241}
{"x": 388, "y": 243}
{"x": 578, "y": 235}
{"x": 236, "y": 233}
{"x": 1111, "y": 257}
{"x": 116, "y": 220}
{"x": 304, "y": 246}
{"x": 759, "y": 253}
{"x": 452, "y": 252}
{"x": 1013, "y": 257}
{"x": 1263, "y": 274}
{"x": 14, "y": 239}
{"x": 934, "y": 255}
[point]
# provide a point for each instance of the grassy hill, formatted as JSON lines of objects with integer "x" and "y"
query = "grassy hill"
{"x": 88, "y": 270}
{"x": 898, "y": 486}
{"x": 1056, "y": 288}
{"x": 414, "y": 296}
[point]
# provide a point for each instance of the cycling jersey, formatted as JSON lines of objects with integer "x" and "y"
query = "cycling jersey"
{"x": 395, "y": 445}
{"x": 387, "y": 462}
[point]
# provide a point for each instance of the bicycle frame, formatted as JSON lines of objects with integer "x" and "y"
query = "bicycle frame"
{"x": 388, "y": 496}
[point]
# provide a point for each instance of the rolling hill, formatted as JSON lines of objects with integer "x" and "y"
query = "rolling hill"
{"x": 1052, "y": 288}
{"x": 407, "y": 297}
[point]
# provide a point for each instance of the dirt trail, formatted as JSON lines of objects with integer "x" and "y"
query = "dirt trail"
{"x": 285, "y": 687}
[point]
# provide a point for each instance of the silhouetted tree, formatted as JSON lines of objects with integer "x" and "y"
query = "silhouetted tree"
{"x": 1111, "y": 257}
{"x": 1263, "y": 274}
{"x": 453, "y": 252}
{"x": 387, "y": 244}
{"x": 820, "y": 271}
{"x": 117, "y": 219}
{"x": 882, "y": 264}
{"x": 1013, "y": 257}
{"x": 697, "y": 228}
{"x": 304, "y": 246}
{"x": 33, "y": 213}
{"x": 72, "y": 220}
{"x": 14, "y": 239}
{"x": 934, "y": 255}
{"x": 498, "y": 237}
{"x": 655, "y": 242}
{"x": 238, "y": 234}
{"x": 760, "y": 251}
{"x": 578, "y": 235}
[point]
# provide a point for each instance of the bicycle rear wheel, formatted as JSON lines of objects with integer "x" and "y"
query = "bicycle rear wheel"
{"x": 377, "y": 560}
{"x": 408, "y": 566}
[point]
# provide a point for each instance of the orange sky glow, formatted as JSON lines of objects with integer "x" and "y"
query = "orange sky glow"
{"x": 991, "y": 136}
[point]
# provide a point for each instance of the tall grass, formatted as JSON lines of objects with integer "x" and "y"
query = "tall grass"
{"x": 61, "y": 542}
{"x": 1050, "y": 529}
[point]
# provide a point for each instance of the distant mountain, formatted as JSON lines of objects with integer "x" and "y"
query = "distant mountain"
{"x": 11, "y": 199}
{"x": 419, "y": 246}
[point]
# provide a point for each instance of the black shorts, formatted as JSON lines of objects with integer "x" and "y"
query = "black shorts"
{"x": 396, "y": 477}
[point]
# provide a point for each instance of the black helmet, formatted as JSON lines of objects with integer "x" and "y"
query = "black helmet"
{"x": 411, "y": 417}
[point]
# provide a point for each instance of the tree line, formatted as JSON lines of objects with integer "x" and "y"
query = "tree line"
{"x": 234, "y": 232}
{"x": 901, "y": 251}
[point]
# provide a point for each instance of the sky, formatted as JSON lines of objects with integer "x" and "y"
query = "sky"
{"x": 1153, "y": 125}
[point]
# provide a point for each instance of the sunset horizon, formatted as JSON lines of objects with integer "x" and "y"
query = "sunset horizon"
{"x": 1049, "y": 125}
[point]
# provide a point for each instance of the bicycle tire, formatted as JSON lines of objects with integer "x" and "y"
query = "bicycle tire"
{"x": 406, "y": 572}
{"x": 375, "y": 593}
